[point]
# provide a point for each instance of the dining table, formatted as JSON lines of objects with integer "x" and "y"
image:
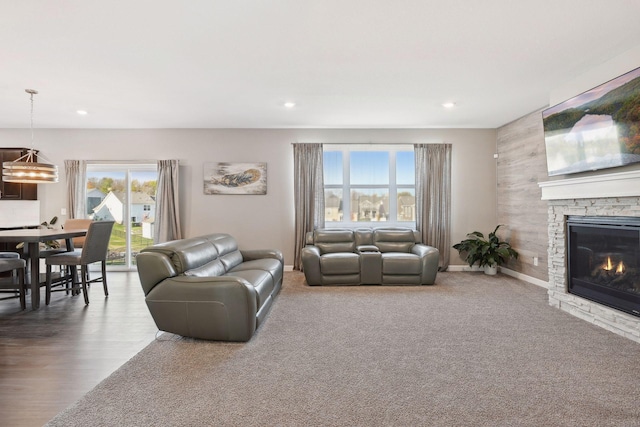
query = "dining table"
{"x": 32, "y": 239}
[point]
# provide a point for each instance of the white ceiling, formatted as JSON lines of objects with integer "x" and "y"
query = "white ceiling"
{"x": 346, "y": 63}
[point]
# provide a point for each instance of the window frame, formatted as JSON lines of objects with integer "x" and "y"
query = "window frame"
{"x": 393, "y": 187}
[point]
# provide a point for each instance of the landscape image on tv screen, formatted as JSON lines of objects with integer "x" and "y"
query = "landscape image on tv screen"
{"x": 597, "y": 129}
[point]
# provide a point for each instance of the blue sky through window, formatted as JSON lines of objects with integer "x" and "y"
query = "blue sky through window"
{"x": 140, "y": 176}
{"x": 332, "y": 164}
{"x": 405, "y": 168}
{"x": 104, "y": 174}
{"x": 369, "y": 167}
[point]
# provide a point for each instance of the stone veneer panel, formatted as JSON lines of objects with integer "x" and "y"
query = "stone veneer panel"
{"x": 613, "y": 320}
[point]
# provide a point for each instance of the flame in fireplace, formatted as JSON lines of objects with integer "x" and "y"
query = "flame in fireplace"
{"x": 608, "y": 266}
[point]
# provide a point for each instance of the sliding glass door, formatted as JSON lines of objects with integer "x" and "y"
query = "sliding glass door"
{"x": 124, "y": 193}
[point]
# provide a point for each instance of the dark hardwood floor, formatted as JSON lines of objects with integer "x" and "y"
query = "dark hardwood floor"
{"x": 52, "y": 356}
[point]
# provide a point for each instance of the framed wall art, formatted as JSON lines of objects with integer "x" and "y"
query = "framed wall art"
{"x": 235, "y": 178}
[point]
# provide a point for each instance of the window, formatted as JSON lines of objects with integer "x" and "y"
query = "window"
{"x": 124, "y": 193}
{"x": 369, "y": 184}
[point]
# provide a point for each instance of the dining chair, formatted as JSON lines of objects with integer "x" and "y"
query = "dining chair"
{"x": 94, "y": 250}
{"x": 78, "y": 242}
{"x": 11, "y": 262}
{"x": 77, "y": 224}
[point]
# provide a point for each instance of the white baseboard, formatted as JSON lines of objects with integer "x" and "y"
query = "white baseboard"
{"x": 525, "y": 278}
{"x": 288, "y": 268}
{"x": 463, "y": 268}
{"x": 504, "y": 270}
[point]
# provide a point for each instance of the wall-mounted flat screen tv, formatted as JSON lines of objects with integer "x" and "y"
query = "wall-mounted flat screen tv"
{"x": 597, "y": 129}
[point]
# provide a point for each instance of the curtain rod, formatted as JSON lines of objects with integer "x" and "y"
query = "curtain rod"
{"x": 355, "y": 143}
{"x": 96, "y": 162}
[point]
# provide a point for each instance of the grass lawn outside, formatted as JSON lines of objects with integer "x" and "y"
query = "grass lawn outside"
{"x": 118, "y": 246}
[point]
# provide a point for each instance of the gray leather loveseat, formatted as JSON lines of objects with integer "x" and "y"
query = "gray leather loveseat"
{"x": 391, "y": 256}
{"x": 205, "y": 287}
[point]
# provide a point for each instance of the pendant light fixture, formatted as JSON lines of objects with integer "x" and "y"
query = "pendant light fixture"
{"x": 26, "y": 169}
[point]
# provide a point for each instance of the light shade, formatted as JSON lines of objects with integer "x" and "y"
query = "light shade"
{"x": 26, "y": 170}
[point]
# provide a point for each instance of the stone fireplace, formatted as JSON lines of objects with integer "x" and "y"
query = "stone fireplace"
{"x": 613, "y": 195}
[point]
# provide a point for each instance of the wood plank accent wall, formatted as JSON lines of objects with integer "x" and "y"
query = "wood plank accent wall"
{"x": 521, "y": 165}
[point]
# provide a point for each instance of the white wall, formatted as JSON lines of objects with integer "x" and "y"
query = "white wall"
{"x": 596, "y": 76}
{"x": 261, "y": 221}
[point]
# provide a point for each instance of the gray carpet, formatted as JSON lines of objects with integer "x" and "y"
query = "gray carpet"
{"x": 472, "y": 350}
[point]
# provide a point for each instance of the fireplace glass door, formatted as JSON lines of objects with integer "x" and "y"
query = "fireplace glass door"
{"x": 604, "y": 260}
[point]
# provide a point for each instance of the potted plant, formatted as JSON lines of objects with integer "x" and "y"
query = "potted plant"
{"x": 49, "y": 244}
{"x": 488, "y": 253}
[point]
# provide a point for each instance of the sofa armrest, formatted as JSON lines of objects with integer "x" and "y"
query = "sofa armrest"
{"x": 153, "y": 267}
{"x": 213, "y": 308}
{"x": 430, "y": 257}
{"x": 311, "y": 264}
{"x": 252, "y": 254}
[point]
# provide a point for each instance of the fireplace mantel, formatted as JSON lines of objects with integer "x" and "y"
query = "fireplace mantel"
{"x": 621, "y": 184}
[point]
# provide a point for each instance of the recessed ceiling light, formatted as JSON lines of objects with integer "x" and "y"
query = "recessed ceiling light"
{"x": 449, "y": 104}
{"x": 289, "y": 104}
{"x": 82, "y": 112}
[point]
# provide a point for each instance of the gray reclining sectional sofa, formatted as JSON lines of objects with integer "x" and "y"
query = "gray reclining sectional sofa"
{"x": 391, "y": 256}
{"x": 205, "y": 287}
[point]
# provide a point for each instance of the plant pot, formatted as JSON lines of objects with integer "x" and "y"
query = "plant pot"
{"x": 491, "y": 270}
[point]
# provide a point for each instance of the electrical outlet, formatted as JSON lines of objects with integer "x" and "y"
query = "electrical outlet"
{"x": 63, "y": 211}
{"x": 535, "y": 260}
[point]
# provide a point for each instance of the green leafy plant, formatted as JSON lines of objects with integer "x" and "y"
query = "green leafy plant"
{"x": 52, "y": 244}
{"x": 49, "y": 244}
{"x": 51, "y": 222}
{"x": 485, "y": 251}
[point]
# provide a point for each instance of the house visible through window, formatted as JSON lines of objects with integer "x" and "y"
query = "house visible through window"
{"x": 369, "y": 184}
